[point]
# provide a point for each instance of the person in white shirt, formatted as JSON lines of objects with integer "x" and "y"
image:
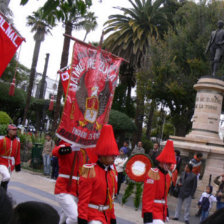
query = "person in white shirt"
{"x": 205, "y": 202}
{"x": 119, "y": 163}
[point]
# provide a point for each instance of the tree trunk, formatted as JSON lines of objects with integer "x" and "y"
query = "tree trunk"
{"x": 32, "y": 77}
{"x": 41, "y": 95}
{"x": 150, "y": 118}
{"x": 64, "y": 62}
{"x": 85, "y": 36}
{"x": 139, "y": 116}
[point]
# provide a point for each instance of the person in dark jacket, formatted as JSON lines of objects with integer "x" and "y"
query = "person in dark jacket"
{"x": 220, "y": 192}
{"x": 188, "y": 185}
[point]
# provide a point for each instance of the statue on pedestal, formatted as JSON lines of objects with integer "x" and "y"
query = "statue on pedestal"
{"x": 215, "y": 46}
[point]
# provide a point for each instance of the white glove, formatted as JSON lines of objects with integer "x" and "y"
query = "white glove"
{"x": 75, "y": 147}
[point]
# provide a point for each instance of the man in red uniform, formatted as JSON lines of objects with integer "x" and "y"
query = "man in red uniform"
{"x": 156, "y": 186}
{"x": 66, "y": 190}
{"x": 98, "y": 184}
{"x": 9, "y": 155}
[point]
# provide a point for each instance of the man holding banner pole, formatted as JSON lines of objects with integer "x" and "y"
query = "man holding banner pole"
{"x": 89, "y": 89}
{"x": 70, "y": 159}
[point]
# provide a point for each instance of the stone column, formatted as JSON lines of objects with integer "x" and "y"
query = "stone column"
{"x": 207, "y": 110}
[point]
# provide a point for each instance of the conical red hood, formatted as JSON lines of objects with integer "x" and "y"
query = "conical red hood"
{"x": 168, "y": 154}
{"x": 106, "y": 144}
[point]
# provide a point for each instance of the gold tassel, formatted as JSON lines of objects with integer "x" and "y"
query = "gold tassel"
{"x": 110, "y": 199}
{"x": 88, "y": 171}
{"x": 154, "y": 174}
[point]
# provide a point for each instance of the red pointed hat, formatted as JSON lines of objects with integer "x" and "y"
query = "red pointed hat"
{"x": 168, "y": 154}
{"x": 106, "y": 144}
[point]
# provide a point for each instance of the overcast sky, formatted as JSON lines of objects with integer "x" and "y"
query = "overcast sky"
{"x": 53, "y": 43}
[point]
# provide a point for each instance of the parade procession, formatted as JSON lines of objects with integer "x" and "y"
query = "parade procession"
{"x": 127, "y": 128}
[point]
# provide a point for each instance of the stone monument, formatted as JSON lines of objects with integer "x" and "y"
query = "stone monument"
{"x": 204, "y": 135}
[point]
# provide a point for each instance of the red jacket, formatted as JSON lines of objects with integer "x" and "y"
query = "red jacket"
{"x": 10, "y": 153}
{"x": 154, "y": 199}
{"x": 93, "y": 190}
{"x": 65, "y": 166}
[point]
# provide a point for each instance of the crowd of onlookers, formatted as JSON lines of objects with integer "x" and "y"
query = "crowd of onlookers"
{"x": 183, "y": 187}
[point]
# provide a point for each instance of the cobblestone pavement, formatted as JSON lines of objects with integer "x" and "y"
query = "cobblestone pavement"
{"x": 27, "y": 186}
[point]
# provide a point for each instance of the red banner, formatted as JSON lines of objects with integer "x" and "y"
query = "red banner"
{"x": 89, "y": 96}
{"x": 65, "y": 77}
{"x": 10, "y": 40}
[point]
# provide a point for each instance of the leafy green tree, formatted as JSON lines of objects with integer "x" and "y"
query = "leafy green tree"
{"x": 89, "y": 24}
{"x": 13, "y": 105}
{"x": 41, "y": 26}
{"x": 130, "y": 35}
{"x": 178, "y": 61}
{"x": 16, "y": 69}
{"x": 132, "y": 30}
{"x": 122, "y": 125}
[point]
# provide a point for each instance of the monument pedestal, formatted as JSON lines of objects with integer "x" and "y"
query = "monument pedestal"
{"x": 204, "y": 135}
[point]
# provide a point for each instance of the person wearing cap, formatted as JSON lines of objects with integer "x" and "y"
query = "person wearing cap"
{"x": 156, "y": 186}
{"x": 98, "y": 185}
{"x": 220, "y": 192}
{"x": 9, "y": 155}
{"x": 66, "y": 189}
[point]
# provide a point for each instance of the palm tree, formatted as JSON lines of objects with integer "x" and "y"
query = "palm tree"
{"x": 130, "y": 37}
{"x": 41, "y": 26}
{"x": 71, "y": 13}
{"x": 132, "y": 31}
{"x": 89, "y": 24}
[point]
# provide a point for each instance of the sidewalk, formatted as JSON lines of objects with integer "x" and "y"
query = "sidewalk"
{"x": 27, "y": 185}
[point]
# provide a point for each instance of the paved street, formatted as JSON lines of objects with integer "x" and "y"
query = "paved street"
{"x": 30, "y": 186}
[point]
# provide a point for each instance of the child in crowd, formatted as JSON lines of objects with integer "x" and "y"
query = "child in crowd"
{"x": 205, "y": 202}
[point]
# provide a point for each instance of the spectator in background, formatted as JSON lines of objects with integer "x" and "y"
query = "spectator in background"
{"x": 205, "y": 202}
{"x": 126, "y": 149}
{"x": 55, "y": 167}
{"x": 175, "y": 171}
{"x": 188, "y": 185}
{"x": 47, "y": 152}
{"x": 154, "y": 153}
{"x": 119, "y": 163}
{"x": 196, "y": 163}
{"x": 178, "y": 159}
{"x": 138, "y": 149}
{"x": 220, "y": 192}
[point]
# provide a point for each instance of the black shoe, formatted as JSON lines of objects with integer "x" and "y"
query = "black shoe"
{"x": 187, "y": 222}
{"x": 175, "y": 218}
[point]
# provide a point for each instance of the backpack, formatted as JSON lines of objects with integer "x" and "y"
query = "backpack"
{"x": 205, "y": 203}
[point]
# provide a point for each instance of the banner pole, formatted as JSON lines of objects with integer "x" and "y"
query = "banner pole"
{"x": 89, "y": 45}
{"x": 72, "y": 171}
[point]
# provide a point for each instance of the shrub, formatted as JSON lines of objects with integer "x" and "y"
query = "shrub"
{"x": 3, "y": 129}
{"x": 5, "y": 118}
